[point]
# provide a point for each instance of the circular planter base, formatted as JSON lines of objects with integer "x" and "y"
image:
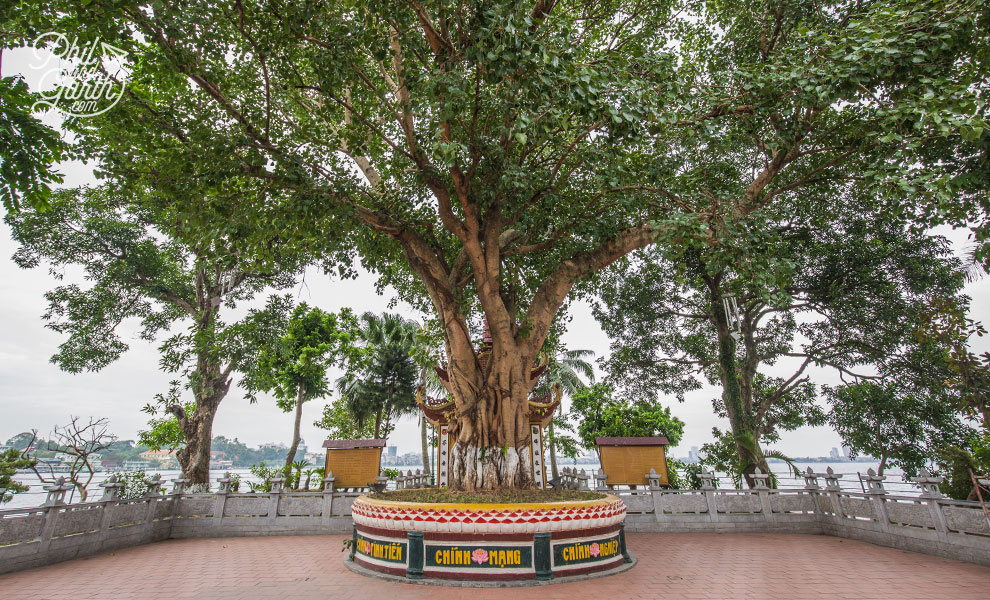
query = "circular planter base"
{"x": 489, "y": 545}
{"x": 355, "y": 567}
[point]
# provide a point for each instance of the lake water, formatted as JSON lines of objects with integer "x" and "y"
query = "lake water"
{"x": 849, "y": 482}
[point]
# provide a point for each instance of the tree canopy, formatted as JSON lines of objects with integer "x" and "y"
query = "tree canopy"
{"x": 492, "y": 157}
{"x": 141, "y": 266}
{"x": 599, "y": 413}
{"x": 293, "y": 367}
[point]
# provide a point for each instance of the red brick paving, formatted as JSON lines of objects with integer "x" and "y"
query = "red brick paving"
{"x": 670, "y": 566}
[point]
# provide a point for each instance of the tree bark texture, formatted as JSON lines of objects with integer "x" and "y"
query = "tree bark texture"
{"x": 210, "y": 386}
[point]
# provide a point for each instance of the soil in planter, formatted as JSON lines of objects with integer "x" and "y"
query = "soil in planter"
{"x": 438, "y": 496}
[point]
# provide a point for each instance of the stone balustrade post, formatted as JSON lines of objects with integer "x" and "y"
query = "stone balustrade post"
{"x": 154, "y": 486}
{"x": 582, "y": 480}
{"x": 111, "y": 489}
{"x": 221, "y": 500}
{"x": 151, "y": 497}
{"x": 832, "y": 488}
{"x": 224, "y": 486}
{"x": 111, "y": 496}
{"x": 53, "y": 504}
{"x": 653, "y": 479}
{"x": 877, "y": 494}
{"x": 327, "y": 491}
{"x": 600, "y": 481}
{"x": 761, "y": 488}
{"x": 931, "y": 493}
{"x": 273, "y": 498}
{"x": 178, "y": 489}
{"x": 179, "y": 486}
{"x": 657, "y": 493}
{"x": 56, "y": 492}
{"x": 708, "y": 482}
{"x": 928, "y": 484}
{"x": 813, "y": 488}
{"x": 760, "y": 479}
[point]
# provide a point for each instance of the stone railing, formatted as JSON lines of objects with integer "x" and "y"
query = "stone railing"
{"x": 927, "y": 523}
{"x": 56, "y": 531}
{"x": 411, "y": 481}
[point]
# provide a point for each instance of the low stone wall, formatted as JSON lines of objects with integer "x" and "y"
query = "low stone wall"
{"x": 31, "y": 537}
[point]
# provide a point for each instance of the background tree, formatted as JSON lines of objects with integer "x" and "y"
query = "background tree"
{"x": 599, "y": 414}
{"x": 382, "y": 387}
{"x": 850, "y": 296}
{"x": 23, "y": 440}
{"x": 963, "y": 467}
{"x": 899, "y": 427}
{"x": 140, "y": 263}
{"x": 568, "y": 369}
{"x": 340, "y": 424}
{"x": 83, "y": 442}
{"x": 29, "y": 149}
{"x": 510, "y": 151}
{"x": 946, "y": 324}
{"x": 12, "y": 461}
{"x": 426, "y": 351}
{"x": 294, "y": 366}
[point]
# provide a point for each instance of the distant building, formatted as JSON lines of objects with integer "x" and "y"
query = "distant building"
{"x": 393, "y": 451}
{"x": 847, "y": 451}
{"x": 834, "y": 453}
{"x": 136, "y": 465}
{"x": 693, "y": 453}
{"x": 162, "y": 459}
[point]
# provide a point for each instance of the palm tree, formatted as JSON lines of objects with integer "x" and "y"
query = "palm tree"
{"x": 383, "y": 386}
{"x": 424, "y": 354}
{"x": 309, "y": 476}
{"x": 566, "y": 368}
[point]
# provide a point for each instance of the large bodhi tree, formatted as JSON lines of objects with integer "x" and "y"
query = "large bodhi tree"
{"x": 494, "y": 155}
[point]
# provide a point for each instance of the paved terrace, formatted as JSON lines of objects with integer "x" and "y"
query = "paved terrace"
{"x": 695, "y": 565}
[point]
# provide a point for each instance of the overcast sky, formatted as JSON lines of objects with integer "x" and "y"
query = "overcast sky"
{"x": 35, "y": 394}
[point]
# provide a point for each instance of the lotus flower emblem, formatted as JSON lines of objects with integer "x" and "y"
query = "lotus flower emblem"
{"x": 480, "y": 556}
{"x": 594, "y": 550}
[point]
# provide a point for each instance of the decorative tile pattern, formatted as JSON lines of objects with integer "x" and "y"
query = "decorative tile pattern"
{"x": 488, "y": 518}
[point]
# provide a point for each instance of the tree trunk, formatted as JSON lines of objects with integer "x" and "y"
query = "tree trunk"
{"x": 194, "y": 458}
{"x": 425, "y": 446}
{"x": 740, "y": 415}
{"x": 883, "y": 464}
{"x": 491, "y": 428}
{"x": 553, "y": 454}
{"x": 209, "y": 386}
{"x": 300, "y": 399}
